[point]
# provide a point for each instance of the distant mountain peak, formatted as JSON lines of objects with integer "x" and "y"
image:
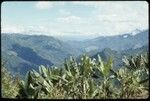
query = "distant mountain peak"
{"x": 136, "y": 31}
{"x": 125, "y": 36}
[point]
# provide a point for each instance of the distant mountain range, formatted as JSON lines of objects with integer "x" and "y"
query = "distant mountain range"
{"x": 25, "y": 52}
{"x": 118, "y": 42}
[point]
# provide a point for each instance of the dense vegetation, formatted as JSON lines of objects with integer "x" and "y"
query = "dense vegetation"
{"x": 87, "y": 79}
{"x": 10, "y": 85}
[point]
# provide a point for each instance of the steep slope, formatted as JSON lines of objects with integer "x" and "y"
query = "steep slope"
{"x": 28, "y": 51}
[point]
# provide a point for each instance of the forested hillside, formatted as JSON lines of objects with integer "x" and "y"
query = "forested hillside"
{"x": 26, "y": 52}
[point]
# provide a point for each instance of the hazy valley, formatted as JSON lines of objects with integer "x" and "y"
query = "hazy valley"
{"x": 26, "y": 52}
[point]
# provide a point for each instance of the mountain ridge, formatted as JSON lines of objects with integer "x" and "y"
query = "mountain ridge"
{"x": 48, "y": 50}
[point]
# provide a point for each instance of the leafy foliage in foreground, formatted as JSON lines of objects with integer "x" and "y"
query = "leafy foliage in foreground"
{"x": 88, "y": 79}
{"x": 9, "y": 85}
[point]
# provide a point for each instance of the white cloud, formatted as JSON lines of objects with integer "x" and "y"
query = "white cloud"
{"x": 48, "y": 4}
{"x": 70, "y": 19}
{"x": 12, "y": 29}
{"x": 44, "y": 4}
{"x": 115, "y": 17}
{"x": 64, "y": 12}
{"x": 120, "y": 17}
{"x": 84, "y": 3}
{"x": 107, "y": 18}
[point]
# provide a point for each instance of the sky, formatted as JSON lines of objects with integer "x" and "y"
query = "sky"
{"x": 74, "y": 18}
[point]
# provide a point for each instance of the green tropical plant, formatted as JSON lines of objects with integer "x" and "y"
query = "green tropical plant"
{"x": 136, "y": 62}
{"x": 133, "y": 77}
{"x": 86, "y": 79}
{"x": 28, "y": 88}
{"x": 9, "y": 84}
{"x": 139, "y": 66}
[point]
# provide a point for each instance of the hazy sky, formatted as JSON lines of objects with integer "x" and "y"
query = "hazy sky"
{"x": 74, "y": 18}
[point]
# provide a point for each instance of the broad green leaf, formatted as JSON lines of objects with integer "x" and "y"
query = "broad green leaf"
{"x": 44, "y": 71}
{"x": 107, "y": 67}
{"x": 94, "y": 93}
{"x": 28, "y": 79}
{"x": 36, "y": 73}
